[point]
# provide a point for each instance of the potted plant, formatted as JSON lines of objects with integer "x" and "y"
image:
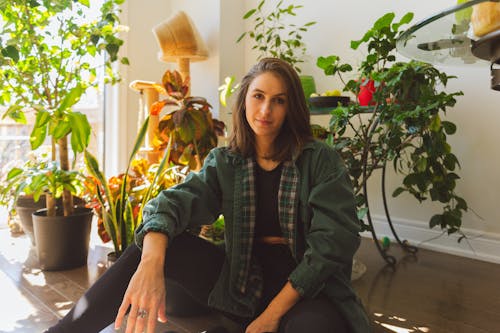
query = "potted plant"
{"x": 188, "y": 125}
{"x": 403, "y": 125}
{"x": 45, "y": 53}
{"x": 190, "y": 129}
{"x": 272, "y": 36}
{"x": 61, "y": 241}
{"x": 17, "y": 189}
{"x": 118, "y": 202}
{"x": 17, "y": 176}
{"x": 184, "y": 136}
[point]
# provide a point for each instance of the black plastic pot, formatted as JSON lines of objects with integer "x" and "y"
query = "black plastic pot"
{"x": 62, "y": 242}
{"x": 25, "y": 207}
{"x": 111, "y": 259}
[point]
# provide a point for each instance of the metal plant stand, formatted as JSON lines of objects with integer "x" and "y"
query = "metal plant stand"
{"x": 441, "y": 39}
{"x": 391, "y": 260}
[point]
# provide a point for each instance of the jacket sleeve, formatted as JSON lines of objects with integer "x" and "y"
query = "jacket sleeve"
{"x": 194, "y": 202}
{"x": 332, "y": 236}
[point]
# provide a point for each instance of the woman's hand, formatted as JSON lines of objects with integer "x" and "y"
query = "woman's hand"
{"x": 145, "y": 294}
{"x": 269, "y": 320}
{"x": 266, "y": 322}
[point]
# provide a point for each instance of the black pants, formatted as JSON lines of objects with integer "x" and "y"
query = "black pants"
{"x": 192, "y": 268}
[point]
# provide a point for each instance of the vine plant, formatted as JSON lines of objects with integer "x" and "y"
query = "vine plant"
{"x": 403, "y": 125}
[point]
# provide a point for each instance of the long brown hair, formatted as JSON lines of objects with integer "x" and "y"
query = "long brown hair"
{"x": 296, "y": 129}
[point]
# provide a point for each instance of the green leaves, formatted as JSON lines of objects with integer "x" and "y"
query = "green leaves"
{"x": 404, "y": 20}
{"x": 251, "y": 11}
{"x": 50, "y": 68}
{"x": 71, "y": 98}
{"x": 108, "y": 205}
{"x": 331, "y": 65}
{"x": 272, "y": 37}
{"x": 39, "y": 132}
{"x": 404, "y": 125}
{"x": 50, "y": 52}
{"x": 80, "y": 131}
{"x": 16, "y": 113}
{"x": 449, "y": 127}
{"x": 227, "y": 89}
{"x": 117, "y": 210}
{"x": 11, "y": 52}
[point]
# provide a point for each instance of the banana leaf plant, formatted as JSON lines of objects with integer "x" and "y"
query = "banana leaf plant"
{"x": 189, "y": 125}
{"x": 118, "y": 204}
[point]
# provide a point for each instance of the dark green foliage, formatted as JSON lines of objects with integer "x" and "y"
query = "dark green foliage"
{"x": 404, "y": 125}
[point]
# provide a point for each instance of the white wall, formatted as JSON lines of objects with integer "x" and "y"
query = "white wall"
{"x": 477, "y": 113}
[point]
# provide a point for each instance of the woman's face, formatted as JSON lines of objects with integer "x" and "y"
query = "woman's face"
{"x": 266, "y": 104}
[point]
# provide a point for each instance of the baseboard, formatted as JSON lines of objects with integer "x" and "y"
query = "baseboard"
{"x": 478, "y": 245}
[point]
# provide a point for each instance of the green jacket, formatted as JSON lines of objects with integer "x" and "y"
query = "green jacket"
{"x": 320, "y": 224}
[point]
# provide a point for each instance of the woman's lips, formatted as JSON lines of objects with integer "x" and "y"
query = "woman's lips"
{"x": 263, "y": 122}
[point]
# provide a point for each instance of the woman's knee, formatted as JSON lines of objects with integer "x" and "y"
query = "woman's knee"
{"x": 314, "y": 316}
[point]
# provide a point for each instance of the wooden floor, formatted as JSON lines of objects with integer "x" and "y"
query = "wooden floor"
{"x": 429, "y": 292}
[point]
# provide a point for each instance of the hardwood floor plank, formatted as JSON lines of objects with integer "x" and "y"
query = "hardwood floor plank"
{"x": 436, "y": 291}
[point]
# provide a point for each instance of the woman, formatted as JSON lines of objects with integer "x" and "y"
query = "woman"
{"x": 291, "y": 229}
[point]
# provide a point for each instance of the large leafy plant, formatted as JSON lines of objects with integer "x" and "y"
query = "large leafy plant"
{"x": 404, "y": 125}
{"x": 188, "y": 125}
{"x": 47, "y": 52}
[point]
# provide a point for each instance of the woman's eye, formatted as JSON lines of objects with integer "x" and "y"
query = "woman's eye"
{"x": 258, "y": 96}
{"x": 280, "y": 100}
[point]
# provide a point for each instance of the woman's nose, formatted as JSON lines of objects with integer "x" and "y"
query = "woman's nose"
{"x": 266, "y": 107}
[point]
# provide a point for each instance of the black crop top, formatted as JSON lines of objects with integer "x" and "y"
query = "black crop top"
{"x": 267, "y": 186}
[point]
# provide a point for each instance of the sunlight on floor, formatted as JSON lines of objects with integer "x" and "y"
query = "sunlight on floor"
{"x": 384, "y": 319}
{"x": 17, "y": 308}
{"x": 22, "y": 247}
{"x": 35, "y": 278}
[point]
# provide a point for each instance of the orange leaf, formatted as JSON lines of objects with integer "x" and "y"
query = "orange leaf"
{"x": 156, "y": 108}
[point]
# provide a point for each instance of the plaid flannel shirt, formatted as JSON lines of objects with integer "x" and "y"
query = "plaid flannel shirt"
{"x": 314, "y": 193}
{"x": 287, "y": 199}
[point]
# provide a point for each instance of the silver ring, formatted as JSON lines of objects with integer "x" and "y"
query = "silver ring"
{"x": 142, "y": 313}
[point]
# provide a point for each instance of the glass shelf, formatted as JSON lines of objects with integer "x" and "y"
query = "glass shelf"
{"x": 447, "y": 38}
